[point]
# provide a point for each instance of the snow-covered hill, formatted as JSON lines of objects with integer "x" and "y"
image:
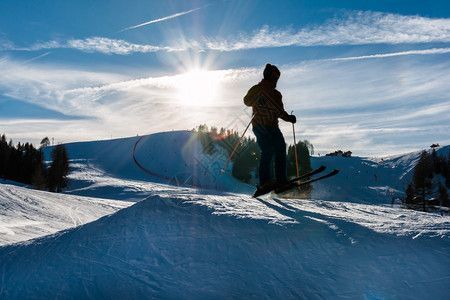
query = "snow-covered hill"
{"x": 183, "y": 240}
{"x": 107, "y": 167}
{"x": 368, "y": 180}
{"x": 27, "y": 214}
{"x": 169, "y": 248}
{"x": 169, "y": 157}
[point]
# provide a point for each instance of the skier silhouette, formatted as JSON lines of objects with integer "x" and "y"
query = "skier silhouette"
{"x": 267, "y": 105}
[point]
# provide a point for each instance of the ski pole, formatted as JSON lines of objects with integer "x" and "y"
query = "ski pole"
{"x": 295, "y": 148}
{"x": 231, "y": 155}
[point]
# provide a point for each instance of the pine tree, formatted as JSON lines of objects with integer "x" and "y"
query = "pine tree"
{"x": 423, "y": 173}
{"x": 409, "y": 195}
{"x": 245, "y": 162}
{"x": 304, "y": 150}
{"x": 14, "y": 164}
{"x": 45, "y": 142}
{"x": 39, "y": 175}
{"x": 446, "y": 170}
{"x": 436, "y": 162}
{"x": 59, "y": 169}
{"x": 4, "y": 156}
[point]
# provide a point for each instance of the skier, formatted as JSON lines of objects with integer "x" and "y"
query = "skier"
{"x": 267, "y": 105}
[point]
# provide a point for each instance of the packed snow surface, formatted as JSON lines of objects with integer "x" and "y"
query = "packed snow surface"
{"x": 149, "y": 217}
{"x": 29, "y": 214}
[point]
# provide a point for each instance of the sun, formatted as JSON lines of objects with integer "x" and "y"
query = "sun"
{"x": 198, "y": 88}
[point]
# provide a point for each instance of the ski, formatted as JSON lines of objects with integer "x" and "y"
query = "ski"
{"x": 292, "y": 185}
{"x": 260, "y": 192}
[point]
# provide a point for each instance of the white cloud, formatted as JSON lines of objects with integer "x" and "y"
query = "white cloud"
{"x": 6, "y": 45}
{"x": 357, "y": 29}
{"x": 369, "y": 106}
{"x": 92, "y": 44}
{"x": 43, "y": 84}
{"x": 102, "y": 45}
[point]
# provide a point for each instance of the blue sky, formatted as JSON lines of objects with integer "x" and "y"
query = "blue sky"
{"x": 366, "y": 76}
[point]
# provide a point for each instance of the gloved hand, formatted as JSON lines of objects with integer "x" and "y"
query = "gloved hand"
{"x": 292, "y": 119}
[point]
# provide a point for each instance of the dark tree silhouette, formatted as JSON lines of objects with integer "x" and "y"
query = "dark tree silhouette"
{"x": 423, "y": 173}
{"x": 45, "y": 142}
{"x": 5, "y": 152}
{"x": 246, "y": 159}
{"x": 409, "y": 195}
{"x": 59, "y": 169}
{"x": 304, "y": 150}
{"x": 19, "y": 163}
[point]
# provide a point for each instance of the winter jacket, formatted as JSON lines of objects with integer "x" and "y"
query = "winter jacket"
{"x": 266, "y": 102}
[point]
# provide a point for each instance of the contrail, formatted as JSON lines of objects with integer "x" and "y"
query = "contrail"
{"x": 166, "y": 18}
{"x": 5, "y": 71}
{"x": 30, "y": 60}
{"x": 411, "y": 52}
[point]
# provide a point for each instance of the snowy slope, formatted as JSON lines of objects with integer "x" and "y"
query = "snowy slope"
{"x": 368, "y": 180}
{"x": 182, "y": 240}
{"x": 168, "y": 157}
{"x": 27, "y": 214}
{"x": 167, "y": 248}
{"x": 107, "y": 169}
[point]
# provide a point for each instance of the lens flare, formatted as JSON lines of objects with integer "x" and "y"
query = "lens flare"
{"x": 198, "y": 88}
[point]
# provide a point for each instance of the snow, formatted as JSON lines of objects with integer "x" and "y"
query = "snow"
{"x": 122, "y": 232}
{"x": 29, "y": 214}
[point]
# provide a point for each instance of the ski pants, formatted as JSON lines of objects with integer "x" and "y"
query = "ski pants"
{"x": 272, "y": 145}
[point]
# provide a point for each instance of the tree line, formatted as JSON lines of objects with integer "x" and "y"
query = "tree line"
{"x": 247, "y": 154}
{"x": 25, "y": 164}
{"x": 430, "y": 183}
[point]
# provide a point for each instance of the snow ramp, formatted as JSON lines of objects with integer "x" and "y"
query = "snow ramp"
{"x": 169, "y": 248}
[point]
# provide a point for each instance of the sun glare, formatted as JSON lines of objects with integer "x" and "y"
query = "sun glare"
{"x": 198, "y": 88}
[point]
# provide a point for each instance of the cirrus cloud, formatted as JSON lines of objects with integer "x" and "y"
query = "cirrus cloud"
{"x": 356, "y": 28}
{"x": 103, "y": 45}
